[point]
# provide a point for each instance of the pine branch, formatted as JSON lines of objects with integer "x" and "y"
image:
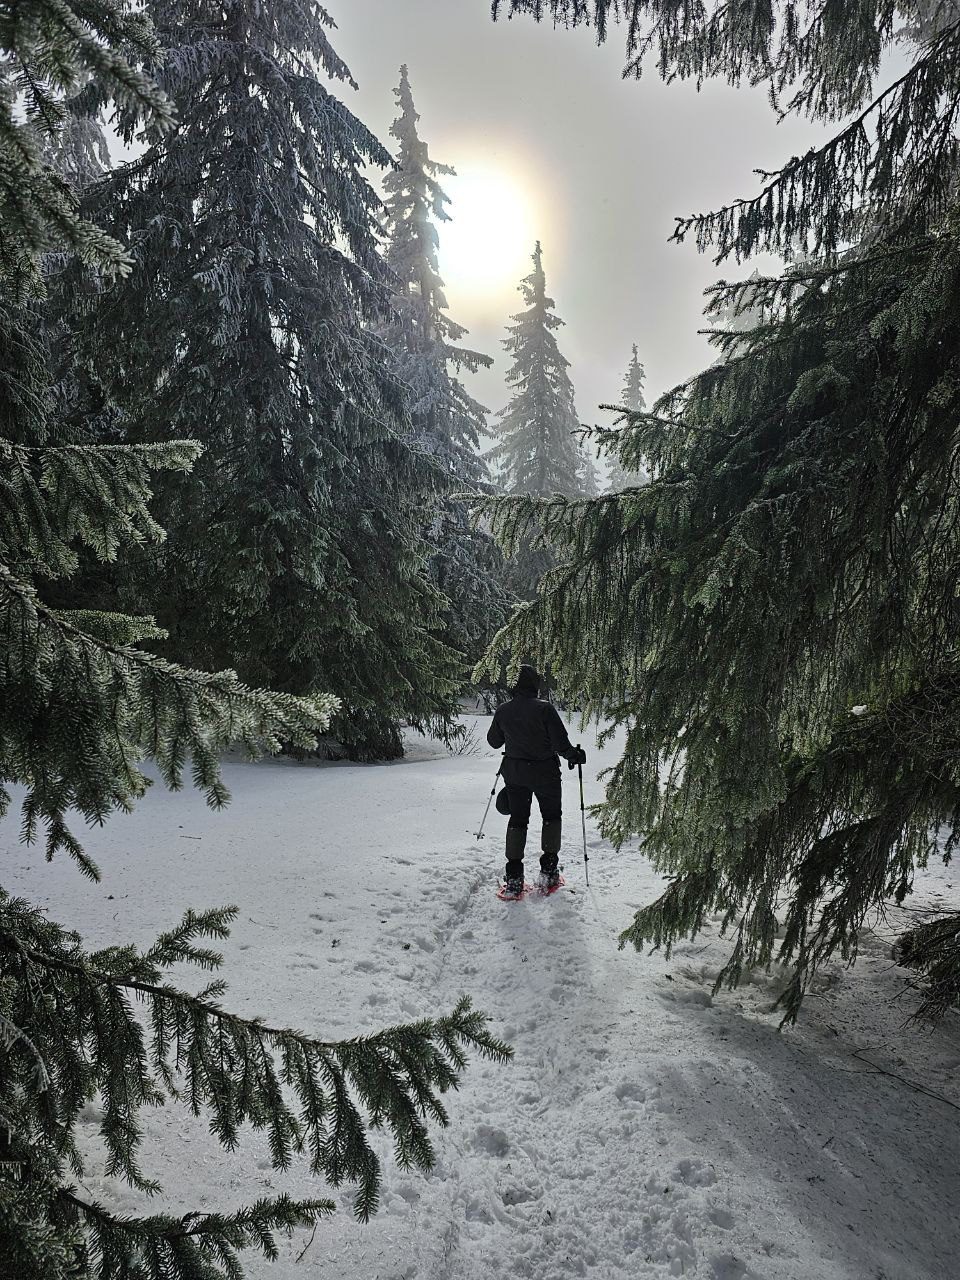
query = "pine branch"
{"x": 206, "y": 1245}
{"x": 300, "y": 1089}
{"x": 53, "y": 497}
{"x": 95, "y": 738}
{"x": 933, "y": 950}
{"x": 803, "y": 199}
{"x": 50, "y": 47}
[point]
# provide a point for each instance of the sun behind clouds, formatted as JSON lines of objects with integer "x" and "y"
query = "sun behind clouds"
{"x": 485, "y": 249}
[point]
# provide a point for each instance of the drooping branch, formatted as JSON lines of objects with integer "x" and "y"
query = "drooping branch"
{"x": 895, "y": 163}
{"x": 892, "y": 166}
{"x": 308, "y": 1094}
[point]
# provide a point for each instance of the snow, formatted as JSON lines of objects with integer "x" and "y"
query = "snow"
{"x": 645, "y": 1127}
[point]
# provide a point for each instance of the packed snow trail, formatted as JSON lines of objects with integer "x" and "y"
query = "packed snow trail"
{"x": 644, "y": 1128}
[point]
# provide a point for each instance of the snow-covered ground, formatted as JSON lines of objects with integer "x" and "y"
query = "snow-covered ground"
{"x": 644, "y": 1129}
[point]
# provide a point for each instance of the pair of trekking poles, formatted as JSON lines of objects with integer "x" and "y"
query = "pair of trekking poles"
{"x": 583, "y": 816}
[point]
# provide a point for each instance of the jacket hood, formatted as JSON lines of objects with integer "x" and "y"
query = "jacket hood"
{"x": 528, "y": 681}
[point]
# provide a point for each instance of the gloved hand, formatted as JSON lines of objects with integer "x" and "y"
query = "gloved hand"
{"x": 579, "y": 757}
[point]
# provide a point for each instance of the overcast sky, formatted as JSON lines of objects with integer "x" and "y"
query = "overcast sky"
{"x": 605, "y": 165}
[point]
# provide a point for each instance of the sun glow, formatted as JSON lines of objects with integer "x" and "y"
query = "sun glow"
{"x": 485, "y": 250}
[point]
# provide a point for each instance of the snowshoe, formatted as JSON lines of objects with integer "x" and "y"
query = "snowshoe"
{"x": 511, "y": 890}
{"x": 549, "y": 881}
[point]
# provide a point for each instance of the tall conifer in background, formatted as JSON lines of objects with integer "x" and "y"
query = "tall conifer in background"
{"x": 537, "y": 452}
{"x": 250, "y": 322}
{"x": 775, "y": 617}
{"x": 588, "y": 482}
{"x": 446, "y": 422}
{"x": 634, "y": 401}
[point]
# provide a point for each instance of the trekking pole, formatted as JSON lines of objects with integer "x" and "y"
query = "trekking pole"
{"x": 583, "y": 825}
{"x": 493, "y": 792}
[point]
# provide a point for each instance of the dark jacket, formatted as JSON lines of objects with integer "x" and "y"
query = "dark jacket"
{"x": 532, "y": 732}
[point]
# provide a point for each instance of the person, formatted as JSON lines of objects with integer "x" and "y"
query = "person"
{"x": 534, "y": 737}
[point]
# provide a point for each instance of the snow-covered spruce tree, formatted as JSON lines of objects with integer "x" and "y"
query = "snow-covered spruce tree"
{"x": 537, "y": 448}
{"x": 775, "y": 617}
{"x": 446, "y": 422}
{"x": 588, "y": 482}
{"x": 634, "y": 401}
{"x": 537, "y": 451}
{"x": 740, "y": 314}
{"x": 250, "y": 322}
{"x": 81, "y": 706}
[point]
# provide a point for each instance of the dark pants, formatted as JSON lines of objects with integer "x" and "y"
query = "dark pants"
{"x": 547, "y": 792}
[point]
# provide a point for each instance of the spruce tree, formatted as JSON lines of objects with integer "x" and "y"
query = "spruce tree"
{"x": 537, "y": 449}
{"x": 446, "y": 421}
{"x": 775, "y": 617}
{"x": 538, "y": 452}
{"x": 633, "y": 400}
{"x": 251, "y": 321}
{"x": 588, "y": 483}
{"x": 82, "y": 705}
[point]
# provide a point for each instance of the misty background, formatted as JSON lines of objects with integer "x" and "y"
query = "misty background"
{"x": 605, "y": 166}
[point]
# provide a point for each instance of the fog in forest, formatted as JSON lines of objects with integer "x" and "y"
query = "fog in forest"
{"x": 600, "y": 166}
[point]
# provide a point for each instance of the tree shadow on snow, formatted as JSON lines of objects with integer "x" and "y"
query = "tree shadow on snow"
{"x": 868, "y": 1165}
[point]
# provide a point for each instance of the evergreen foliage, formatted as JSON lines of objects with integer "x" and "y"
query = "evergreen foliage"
{"x": 446, "y": 422}
{"x": 48, "y": 49}
{"x": 774, "y": 618}
{"x": 81, "y": 706}
{"x": 68, "y": 1033}
{"x": 895, "y": 158}
{"x": 538, "y": 451}
{"x": 250, "y": 321}
{"x": 588, "y": 483}
{"x": 633, "y": 400}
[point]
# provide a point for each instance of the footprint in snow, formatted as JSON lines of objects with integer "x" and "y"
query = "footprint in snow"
{"x": 695, "y": 1173}
{"x": 494, "y": 1141}
{"x": 629, "y": 1091}
{"x": 476, "y": 1211}
{"x": 722, "y": 1218}
{"x": 512, "y": 1190}
{"x": 687, "y": 995}
{"x": 727, "y": 1267}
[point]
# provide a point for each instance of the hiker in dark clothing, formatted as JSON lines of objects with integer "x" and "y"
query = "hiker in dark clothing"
{"x": 534, "y": 737}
